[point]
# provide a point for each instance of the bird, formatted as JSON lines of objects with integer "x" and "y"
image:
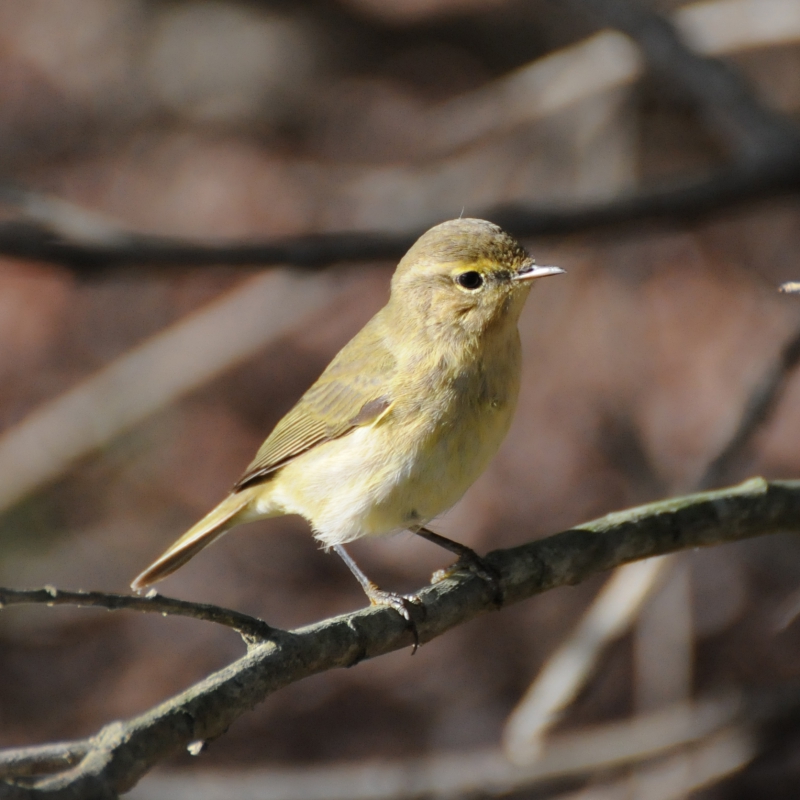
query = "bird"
{"x": 405, "y": 417}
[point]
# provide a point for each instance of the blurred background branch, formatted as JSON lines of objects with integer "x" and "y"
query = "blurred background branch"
{"x": 754, "y": 135}
{"x": 152, "y": 375}
{"x": 621, "y": 600}
{"x": 682, "y": 732}
{"x": 764, "y": 149}
{"x": 140, "y": 139}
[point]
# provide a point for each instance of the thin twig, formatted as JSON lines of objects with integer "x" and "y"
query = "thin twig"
{"x": 151, "y": 603}
{"x": 759, "y": 408}
{"x": 124, "y": 751}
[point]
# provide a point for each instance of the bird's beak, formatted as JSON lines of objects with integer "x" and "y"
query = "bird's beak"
{"x": 530, "y": 271}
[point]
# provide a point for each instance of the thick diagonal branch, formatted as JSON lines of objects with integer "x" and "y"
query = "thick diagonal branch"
{"x": 123, "y": 751}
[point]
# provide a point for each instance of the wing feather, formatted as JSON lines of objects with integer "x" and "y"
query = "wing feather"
{"x": 351, "y": 392}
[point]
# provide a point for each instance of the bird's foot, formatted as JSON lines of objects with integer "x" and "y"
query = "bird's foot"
{"x": 470, "y": 561}
{"x": 401, "y": 603}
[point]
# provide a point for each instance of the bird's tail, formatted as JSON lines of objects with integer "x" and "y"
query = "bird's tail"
{"x": 220, "y": 520}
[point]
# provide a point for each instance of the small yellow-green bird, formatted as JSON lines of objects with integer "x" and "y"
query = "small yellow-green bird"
{"x": 405, "y": 417}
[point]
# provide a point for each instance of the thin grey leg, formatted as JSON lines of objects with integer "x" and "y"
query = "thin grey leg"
{"x": 468, "y": 559}
{"x": 378, "y": 596}
{"x": 461, "y": 550}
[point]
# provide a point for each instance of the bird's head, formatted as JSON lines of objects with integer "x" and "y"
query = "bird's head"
{"x": 467, "y": 274}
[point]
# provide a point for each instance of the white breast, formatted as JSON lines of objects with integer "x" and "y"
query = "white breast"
{"x": 365, "y": 485}
{"x": 402, "y": 471}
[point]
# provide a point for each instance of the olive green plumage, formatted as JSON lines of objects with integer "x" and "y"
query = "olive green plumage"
{"x": 409, "y": 412}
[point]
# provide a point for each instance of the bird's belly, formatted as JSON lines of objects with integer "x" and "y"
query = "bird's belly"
{"x": 382, "y": 479}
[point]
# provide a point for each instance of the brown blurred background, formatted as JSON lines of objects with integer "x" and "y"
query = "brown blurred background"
{"x": 248, "y": 120}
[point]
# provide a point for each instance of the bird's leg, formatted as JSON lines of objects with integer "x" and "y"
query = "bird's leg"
{"x": 468, "y": 560}
{"x": 380, "y": 597}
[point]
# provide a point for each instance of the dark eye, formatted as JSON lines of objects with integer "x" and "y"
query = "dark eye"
{"x": 470, "y": 280}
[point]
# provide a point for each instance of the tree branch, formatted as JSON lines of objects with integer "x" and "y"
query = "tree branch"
{"x": 151, "y": 603}
{"x": 758, "y": 410}
{"x": 179, "y": 358}
{"x": 593, "y": 752}
{"x": 618, "y": 603}
{"x": 722, "y": 96}
{"x": 39, "y": 242}
{"x": 123, "y": 751}
{"x": 765, "y": 144}
{"x": 670, "y": 202}
{"x": 43, "y": 759}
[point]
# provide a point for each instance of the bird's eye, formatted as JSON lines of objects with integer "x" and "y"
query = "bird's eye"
{"x": 470, "y": 280}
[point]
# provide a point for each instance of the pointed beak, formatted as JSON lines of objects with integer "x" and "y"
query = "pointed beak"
{"x": 530, "y": 271}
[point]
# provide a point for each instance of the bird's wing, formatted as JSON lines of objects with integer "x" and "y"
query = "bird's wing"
{"x": 352, "y": 392}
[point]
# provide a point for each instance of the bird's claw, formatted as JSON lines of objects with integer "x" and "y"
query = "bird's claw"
{"x": 470, "y": 561}
{"x": 401, "y": 603}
